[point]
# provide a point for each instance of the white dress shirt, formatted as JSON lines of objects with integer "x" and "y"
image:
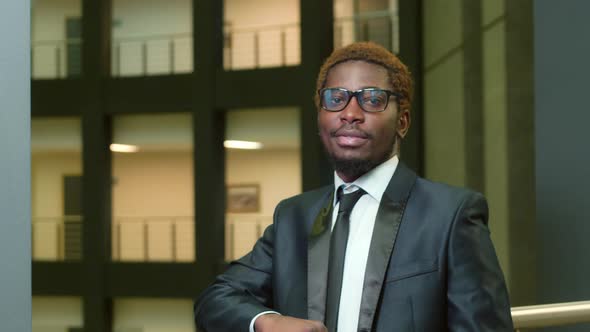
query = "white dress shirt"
{"x": 362, "y": 222}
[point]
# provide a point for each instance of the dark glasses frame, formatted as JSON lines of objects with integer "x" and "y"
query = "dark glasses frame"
{"x": 356, "y": 94}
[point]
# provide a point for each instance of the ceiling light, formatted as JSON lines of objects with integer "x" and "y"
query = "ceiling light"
{"x": 246, "y": 145}
{"x": 125, "y": 148}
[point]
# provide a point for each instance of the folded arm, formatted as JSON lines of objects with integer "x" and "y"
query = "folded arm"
{"x": 240, "y": 293}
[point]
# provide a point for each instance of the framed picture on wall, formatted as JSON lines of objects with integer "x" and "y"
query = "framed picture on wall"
{"x": 243, "y": 198}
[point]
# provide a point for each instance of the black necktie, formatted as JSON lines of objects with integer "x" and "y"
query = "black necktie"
{"x": 337, "y": 252}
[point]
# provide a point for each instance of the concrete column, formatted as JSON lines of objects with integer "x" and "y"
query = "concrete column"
{"x": 15, "y": 178}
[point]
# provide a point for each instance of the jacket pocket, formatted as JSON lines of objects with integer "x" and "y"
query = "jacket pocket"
{"x": 411, "y": 269}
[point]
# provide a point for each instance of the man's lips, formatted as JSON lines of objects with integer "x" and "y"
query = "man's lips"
{"x": 350, "y": 137}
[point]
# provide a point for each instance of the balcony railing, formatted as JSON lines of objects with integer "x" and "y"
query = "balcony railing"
{"x": 381, "y": 27}
{"x": 241, "y": 233}
{"x": 152, "y": 55}
{"x": 243, "y": 48}
{"x": 149, "y": 239}
{"x": 267, "y": 46}
{"x": 143, "y": 239}
{"x": 52, "y": 59}
{"x": 57, "y": 238}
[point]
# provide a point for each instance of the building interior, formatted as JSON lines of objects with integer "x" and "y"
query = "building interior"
{"x": 164, "y": 133}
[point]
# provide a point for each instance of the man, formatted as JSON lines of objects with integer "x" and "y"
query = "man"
{"x": 410, "y": 255}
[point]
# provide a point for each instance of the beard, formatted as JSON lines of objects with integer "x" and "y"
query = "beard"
{"x": 356, "y": 167}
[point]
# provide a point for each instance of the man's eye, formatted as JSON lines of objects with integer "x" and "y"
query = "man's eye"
{"x": 336, "y": 100}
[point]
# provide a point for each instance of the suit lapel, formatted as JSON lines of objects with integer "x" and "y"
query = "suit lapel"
{"x": 317, "y": 261}
{"x": 387, "y": 223}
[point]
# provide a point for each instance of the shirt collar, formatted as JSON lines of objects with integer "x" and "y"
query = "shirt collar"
{"x": 374, "y": 182}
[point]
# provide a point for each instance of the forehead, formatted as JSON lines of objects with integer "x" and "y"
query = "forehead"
{"x": 355, "y": 74}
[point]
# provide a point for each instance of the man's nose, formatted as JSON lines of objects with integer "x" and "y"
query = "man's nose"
{"x": 353, "y": 112}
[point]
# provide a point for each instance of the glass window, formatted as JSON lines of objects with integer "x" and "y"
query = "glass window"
{"x": 263, "y": 166}
{"x": 371, "y": 20}
{"x": 56, "y": 32}
{"x": 261, "y": 33}
{"x": 56, "y": 181}
{"x": 153, "y": 196}
{"x": 152, "y": 37}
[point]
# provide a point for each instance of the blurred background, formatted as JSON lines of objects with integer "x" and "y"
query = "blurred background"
{"x": 164, "y": 133}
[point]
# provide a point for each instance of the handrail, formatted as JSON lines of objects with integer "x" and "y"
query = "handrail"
{"x": 52, "y": 42}
{"x": 553, "y": 314}
{"x": 367, "y": 15}
{"x": 153, "y": 37}
{"x": 267, "y": 27}
{"x": 68, "y": 218}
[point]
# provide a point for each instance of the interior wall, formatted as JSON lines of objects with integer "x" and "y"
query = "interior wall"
{"x": 160, "y": 46}
{"x": 444, "y": 138}
{"x": 153, "y": 184}
{"x": 164, "y": 17}
{"x": 495, "y": 119}
{"x": 49, "y": 17}
{"x": 260, "y": 13}
{"x": 277, "y": 172}
{"x": 562, "y": 161}
{"x": 56, "y": 314}
{"x": 48, "y": 33}
{"x": 451, "y": 107}
{"x": 261, "y": 33}
{"x": 47, "y": 172}
{"x": 153, "y": 315}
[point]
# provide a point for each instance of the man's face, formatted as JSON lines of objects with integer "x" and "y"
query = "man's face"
{"x": 357, "y": 141}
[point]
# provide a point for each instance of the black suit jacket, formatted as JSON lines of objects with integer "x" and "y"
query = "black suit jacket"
{"x": 431, "y": 265}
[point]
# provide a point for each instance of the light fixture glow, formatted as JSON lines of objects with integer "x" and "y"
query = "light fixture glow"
{"x": 246, "y": 145}
{"x": 125, "y": 148}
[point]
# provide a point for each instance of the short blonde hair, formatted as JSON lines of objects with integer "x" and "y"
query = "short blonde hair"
{"x": 399, "y": 75}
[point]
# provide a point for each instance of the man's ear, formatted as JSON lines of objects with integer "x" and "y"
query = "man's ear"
{"x": 403, "y": 123}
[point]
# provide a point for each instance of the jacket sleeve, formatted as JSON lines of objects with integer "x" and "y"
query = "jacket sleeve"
{"x": 476, "y": 294}
{"x": 241, "y": 292}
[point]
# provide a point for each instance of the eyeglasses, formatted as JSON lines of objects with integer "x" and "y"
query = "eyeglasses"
{"x": 369, "y": 99}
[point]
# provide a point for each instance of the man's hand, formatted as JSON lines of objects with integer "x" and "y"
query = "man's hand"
{"x": 278, "y": 323}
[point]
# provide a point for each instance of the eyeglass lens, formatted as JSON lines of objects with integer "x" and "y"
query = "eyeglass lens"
{"x": 370, "y": 100}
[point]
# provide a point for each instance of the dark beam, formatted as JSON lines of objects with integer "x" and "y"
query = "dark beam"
{"x": 165, "y": 280}
{"x": 58, "y": 278}
{"x": 258, "y": 88}
{"x": 96, "y": 161}
{"x": 473, "y": 94}
{"x": 317, "y": 40}
{"x": 56, "y": 97}
{"x": 149, "y": 94}
{"x": 208, "y": 126}
{"x": 410, "y": 52}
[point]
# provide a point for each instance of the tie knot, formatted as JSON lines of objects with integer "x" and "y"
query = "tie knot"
{"x": 347, "y": 201}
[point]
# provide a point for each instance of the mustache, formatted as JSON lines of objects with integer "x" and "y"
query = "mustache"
{"x": 350, "y": 130}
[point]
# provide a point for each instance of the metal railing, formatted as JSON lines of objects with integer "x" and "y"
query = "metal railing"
{"x": 241, "y": 233}
{"x": 56, "y": 238}
{"x": 555, "y": 314}
{"x": 148, "y": 239}
{"x": 152, "y": 55}
{"x": 52, "y": 59}
{"x": 266, "y": 46}
{"x": 381, "y": 27}
{"x": 243, "y": 48}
